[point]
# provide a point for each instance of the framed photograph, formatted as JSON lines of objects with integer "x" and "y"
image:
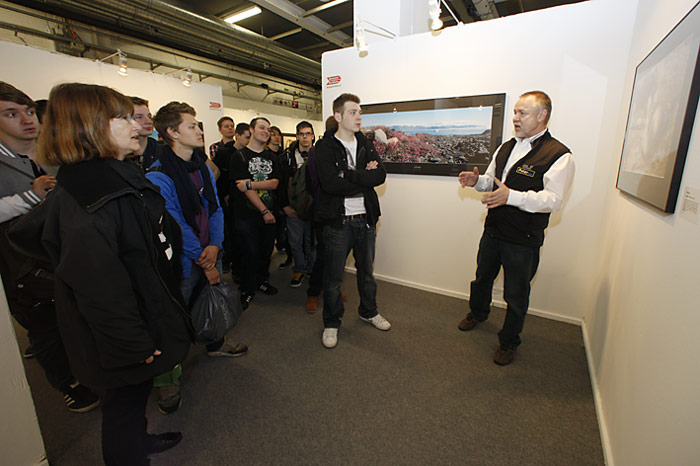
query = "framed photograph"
{"x": 661, "y": 116}
{"x": 436, "y": 136}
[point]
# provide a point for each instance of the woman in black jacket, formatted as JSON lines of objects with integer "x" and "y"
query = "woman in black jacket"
{"x": 114, "y": 247}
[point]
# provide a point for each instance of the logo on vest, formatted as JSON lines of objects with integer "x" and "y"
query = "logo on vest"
{"x": 526, "y": 170}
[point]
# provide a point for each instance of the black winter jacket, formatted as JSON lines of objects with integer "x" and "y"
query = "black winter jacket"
{"x": 337, "y": 181}
{"x": 117, "y": 294}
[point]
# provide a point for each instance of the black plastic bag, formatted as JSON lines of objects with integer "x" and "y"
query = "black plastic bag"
{"x": 215, "y": 311}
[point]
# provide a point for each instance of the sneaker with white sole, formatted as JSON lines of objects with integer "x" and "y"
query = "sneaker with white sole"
{"x": 330, "y": 337}
{"x": 378, "y": 321}
{"x": 80, "y": 399}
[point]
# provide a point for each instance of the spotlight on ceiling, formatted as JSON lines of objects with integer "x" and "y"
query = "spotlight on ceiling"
{"x": 123, "y": 68}
{"x": 187, "y": 78}
{"x": 434, "y": 13}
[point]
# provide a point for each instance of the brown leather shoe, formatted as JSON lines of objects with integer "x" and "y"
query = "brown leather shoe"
{"x": 468, "y": 323}
{"x": 311, "y": 304}
{"x": 504, "y": 355}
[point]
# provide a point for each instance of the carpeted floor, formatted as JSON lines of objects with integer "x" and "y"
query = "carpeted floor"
{"x": 423, "y": 393}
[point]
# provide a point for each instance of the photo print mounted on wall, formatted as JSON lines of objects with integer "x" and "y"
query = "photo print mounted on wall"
{"x": 436, "y": 136}
{"x": 661, "y": 116}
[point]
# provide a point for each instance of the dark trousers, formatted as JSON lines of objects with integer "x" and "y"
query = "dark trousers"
{"x": 257, "y": 241}
{"x": 354, "y": 234}
{"x": 316, "y": 280}
{"x": 519, "y": 266}
{"x": 125, "y": 441}
{"x": 32, "y": 305}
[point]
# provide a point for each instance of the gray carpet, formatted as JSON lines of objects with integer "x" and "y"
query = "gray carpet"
{"x": 423, "y": 393}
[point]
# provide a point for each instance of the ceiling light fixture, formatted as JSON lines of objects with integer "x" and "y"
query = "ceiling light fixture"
{"x": 360, "y": 40}
{"x": 434, "y": 13}
{"x": 123, "y": 67}
{"x": 244, "y": 14}
{"x": 187, "y": 79}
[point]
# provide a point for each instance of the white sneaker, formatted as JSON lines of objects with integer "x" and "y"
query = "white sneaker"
{"x": 330, "y": 337}
{"x": 378, "y": 321}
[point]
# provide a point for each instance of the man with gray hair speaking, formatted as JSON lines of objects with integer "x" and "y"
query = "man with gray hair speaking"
{"x": 525, "y": 181}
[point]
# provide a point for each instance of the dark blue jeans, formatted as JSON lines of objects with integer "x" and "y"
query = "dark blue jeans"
{"x": 519, "y": 267}
{"x": 257, "y": 240}
{"x": 354, "y": 234}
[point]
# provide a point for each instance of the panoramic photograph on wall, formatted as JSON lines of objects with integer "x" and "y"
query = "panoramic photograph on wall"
{"x": 436, "y": 136}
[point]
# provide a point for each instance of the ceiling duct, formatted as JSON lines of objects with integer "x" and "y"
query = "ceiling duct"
{"x": 168, "y": 24}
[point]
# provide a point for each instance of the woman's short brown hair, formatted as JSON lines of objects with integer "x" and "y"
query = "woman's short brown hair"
{"x": 76, "y": 123}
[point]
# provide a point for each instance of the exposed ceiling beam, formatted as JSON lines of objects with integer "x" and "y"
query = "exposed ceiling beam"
{"x": 286, "y": 34}
{"x": 341, "y": 26}
{"x": 295, "y": 14}
{"x": 325, "y": 6}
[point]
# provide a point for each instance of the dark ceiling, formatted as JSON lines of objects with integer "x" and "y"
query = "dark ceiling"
{"x": 312, "y": 46}
{"x": 285, "y": 40}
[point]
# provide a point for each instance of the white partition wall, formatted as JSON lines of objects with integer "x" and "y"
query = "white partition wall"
{"x": 36, "y": 71}
{"x": 20, "y": 439}
{"x": 430, "y": 228}
{"x": 643, "y": 316}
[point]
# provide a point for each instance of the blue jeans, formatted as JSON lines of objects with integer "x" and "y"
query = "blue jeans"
{"x": 519, "y": 267}
{"x": 354, "y": 234}
{"x": 301, "y": 244}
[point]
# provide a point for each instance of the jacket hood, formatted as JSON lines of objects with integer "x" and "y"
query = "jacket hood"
{"x": 95, "y": 181}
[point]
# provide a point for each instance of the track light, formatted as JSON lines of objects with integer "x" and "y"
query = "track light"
{"x": 434, "y": 12}
{"x": 360, "y": 41}
{"x": 123, "y": 68}
{"x": 187, "y": 79}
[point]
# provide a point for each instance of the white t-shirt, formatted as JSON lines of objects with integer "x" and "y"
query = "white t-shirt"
{"x": 354, "y": 205}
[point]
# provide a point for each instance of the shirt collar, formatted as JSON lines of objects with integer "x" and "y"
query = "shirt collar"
{"x": 531, "y": 138}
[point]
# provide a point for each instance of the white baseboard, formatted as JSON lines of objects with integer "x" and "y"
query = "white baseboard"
{"x": 465, "y": 296}
{"x": 602, "y": 426}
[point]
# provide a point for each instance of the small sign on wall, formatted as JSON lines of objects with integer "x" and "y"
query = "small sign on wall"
{"x": 690, "y": 204}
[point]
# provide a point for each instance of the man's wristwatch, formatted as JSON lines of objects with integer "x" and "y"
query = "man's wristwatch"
{"x": 266, "y": 211}
{"x": 249, "y": 185}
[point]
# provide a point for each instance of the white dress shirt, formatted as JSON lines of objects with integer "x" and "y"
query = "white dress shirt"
{"x": 557, "y": 179}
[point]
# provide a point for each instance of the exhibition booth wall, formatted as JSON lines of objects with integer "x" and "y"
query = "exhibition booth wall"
{"x": 36, "y": 71}
{"x": 617, "y": 266}
{"x": 430, "y": 227}
{"x": 642, "y": 317}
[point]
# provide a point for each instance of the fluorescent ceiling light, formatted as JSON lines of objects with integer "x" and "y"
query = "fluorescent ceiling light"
{"x": 241, "y": 15}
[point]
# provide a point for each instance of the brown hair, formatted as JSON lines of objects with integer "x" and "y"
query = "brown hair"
{"x": 542, "y": 100}
{"x": 9, "y": 93}
{"x": 241, "y": 128}
{"x": 331, "y": 123}
{"x": 76, "y": 123}
{"x": 254, "y": 122}
{"x": 339, "y": 102}
{"x": 138, "y": 101}
{"x": 169, "y": 116}
{"x": 222, "y": 119}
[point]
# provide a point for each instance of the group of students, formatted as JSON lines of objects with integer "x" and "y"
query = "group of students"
{"x": 132, "y": 229}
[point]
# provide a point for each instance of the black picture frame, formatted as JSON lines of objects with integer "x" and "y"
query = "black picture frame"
{"x": 661, "y": 116}
{"x": 439, "y": 154}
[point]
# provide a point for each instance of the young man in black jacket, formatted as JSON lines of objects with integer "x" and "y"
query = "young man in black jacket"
{"x": 29, "y": 283}
{"x": 298, "y": 226}
{"x": 348, "y": 207}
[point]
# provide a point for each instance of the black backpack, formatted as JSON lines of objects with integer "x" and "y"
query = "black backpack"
{"x": 299, "y": 197}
